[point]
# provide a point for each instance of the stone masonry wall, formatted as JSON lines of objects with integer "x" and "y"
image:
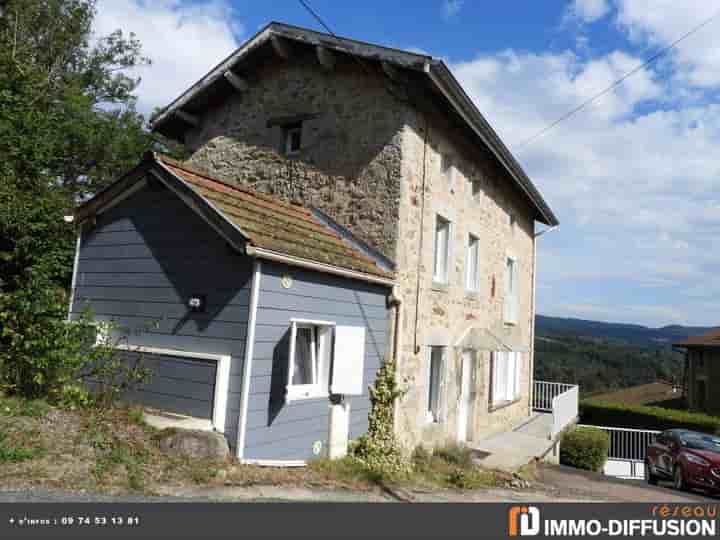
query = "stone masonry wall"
{"x": 445, "y": 312}
{"x": 349, "y": 165}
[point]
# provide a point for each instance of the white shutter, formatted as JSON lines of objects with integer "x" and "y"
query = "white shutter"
{"x": 515, "y": 292}
{"x": 511, "y": 376}
{"x": 442, "y": 391}
{"x": 499, "y": 376}
{"x": 348, "y": 361}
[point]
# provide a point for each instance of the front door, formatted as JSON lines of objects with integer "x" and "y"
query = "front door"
{"x": 466, "y": 395}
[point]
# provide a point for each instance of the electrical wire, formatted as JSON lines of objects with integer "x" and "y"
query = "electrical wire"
{"x": 662, "y": 52}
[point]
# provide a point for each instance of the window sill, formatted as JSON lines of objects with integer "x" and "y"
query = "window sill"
{"x": 439, "y": 286}
{"x": 510, "y": 323}
{"x": 503, "y": 405}
{"x": 304, "y": 395}
{"x": 472, "y": 295}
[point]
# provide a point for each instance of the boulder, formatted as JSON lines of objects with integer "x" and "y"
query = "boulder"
{"x": 194, "y": 443}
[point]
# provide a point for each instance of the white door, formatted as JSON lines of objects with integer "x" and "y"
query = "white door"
{"x": 466, "y": 393}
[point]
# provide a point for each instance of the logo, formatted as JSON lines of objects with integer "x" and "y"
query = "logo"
{"x": 524, "y": 521}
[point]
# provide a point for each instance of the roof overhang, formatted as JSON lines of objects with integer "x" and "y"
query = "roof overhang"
{"x": 174, "y": 119}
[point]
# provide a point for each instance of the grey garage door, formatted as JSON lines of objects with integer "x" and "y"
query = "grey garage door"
{"x": 178, "y": 384}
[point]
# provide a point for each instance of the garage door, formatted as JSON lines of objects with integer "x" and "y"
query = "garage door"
{"x": 180, "y": 385}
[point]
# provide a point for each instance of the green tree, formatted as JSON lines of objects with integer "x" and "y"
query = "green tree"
{"x": 68, "y": 127}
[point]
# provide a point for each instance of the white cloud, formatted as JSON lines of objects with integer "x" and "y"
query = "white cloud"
{"x": 660, "y": 22}
{"x": 588, "y": 10}
{"x": 451, "y": 8}
{"x": 633, "y": 178}
{"x": 183, "y": 40}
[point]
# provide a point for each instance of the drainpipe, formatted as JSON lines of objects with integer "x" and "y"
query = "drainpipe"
{"x": 395, "y": 302}
{"x": 532, "y": 313}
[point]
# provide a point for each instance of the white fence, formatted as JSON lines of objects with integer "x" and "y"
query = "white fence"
{"x": 545, "y": 392}
{"x": 560, "y": 399}
{"x": 628, "y": 447}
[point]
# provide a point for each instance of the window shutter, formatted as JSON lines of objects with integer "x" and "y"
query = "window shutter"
{"x": 442, "y": 392}
{"x": 290, "y": 362}
{"x": 348, "y": 361}
{"x": 511, "y": 376}
{"x": 515, "y": 292}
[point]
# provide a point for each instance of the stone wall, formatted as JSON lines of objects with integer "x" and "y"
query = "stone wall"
{"x": 445, "y": 312}
{"x": 349, "y": 165}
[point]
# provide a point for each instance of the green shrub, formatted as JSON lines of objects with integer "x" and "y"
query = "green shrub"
{"x": 421, "y": 458}
{"x": 642, "y": 417}
{"x": 585, "y": 448}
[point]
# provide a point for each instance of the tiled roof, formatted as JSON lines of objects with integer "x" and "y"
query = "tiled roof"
{"x": 708, "y": 339}
{"x": 274, "y": 225}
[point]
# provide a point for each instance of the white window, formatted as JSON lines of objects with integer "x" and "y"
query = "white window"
{"x": 472, "y": 264}
{"x": 319, "y": 348}
{"x": 442, "y": 250}
{"x": 448, "y": 170}
{"x": 505, "y": 377}
{"x": 512, "y": 298}
{"x": 435, "y": 383}
{"x": 292, "y": 139}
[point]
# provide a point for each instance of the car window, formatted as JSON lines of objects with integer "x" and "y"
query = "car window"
{"x": 699, "y": 441}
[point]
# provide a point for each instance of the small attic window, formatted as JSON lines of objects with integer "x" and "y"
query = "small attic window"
{"x": 292, "y": 138}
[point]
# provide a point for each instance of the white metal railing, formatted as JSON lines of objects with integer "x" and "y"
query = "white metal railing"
{"x": 545, "y": 392}
{"x": 628, "y": 447}
{"x": 565, "y": 409}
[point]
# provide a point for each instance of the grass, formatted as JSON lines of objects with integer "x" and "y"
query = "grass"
{"x": 10, "y": 452}
{"x": 14, "y": 406}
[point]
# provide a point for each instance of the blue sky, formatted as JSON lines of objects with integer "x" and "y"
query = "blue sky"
{"x": 633, "y": 178}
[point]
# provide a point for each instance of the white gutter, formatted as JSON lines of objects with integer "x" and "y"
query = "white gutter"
{"x": 270, "y": 255}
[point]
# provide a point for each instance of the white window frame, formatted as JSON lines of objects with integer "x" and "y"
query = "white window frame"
{"x": 288, "y": 132}
{"x": 472, "y": 282}
{"x": 505, "y": 377}
{"x": 436, "y": 416}
{"x": 444, "y": 277}
{"x": 511, "y": 305}
{"x": 322, "y": 358}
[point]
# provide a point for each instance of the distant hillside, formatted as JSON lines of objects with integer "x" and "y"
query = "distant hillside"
{"x": 603, "y": 356}
{"x": 631, "y": 333}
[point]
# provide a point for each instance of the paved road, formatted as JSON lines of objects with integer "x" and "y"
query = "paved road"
{"x": 568, "y": 482}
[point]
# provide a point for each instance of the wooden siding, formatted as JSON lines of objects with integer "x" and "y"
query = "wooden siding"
{"x": 277, "y": 430}
{"x": 139, "y": 265}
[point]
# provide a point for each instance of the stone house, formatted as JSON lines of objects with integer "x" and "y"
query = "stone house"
{"x": 702, "y": 371}
{"x": 387, "y": 150}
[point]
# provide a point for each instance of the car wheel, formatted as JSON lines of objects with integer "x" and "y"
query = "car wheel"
{"x": 679, "y": 478}
{"x": 650, "y": 475}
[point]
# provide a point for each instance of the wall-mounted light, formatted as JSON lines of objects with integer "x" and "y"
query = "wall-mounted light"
{"x": 69, "y": 219}
{"x": 197, "y": 303}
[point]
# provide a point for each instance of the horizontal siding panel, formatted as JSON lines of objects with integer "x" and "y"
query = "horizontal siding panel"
{"x": 158, "y": 310}
{"x": 178, "y": 327}
{"x": 278, "y": 301}
{"x": 321, "y": 289}
{"x": 186, "y": 280}
{"x": 180, "y": 266}
{"x": 215, "y": 297}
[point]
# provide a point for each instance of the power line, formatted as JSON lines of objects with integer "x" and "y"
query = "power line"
{"x": 617, "y": 83}
{"x": 317, "y": 17}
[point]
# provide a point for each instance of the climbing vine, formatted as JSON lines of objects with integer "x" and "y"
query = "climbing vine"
{"x": 378, "y": 449}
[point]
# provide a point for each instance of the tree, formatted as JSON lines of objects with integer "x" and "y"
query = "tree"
{"x": 68, "y": 127}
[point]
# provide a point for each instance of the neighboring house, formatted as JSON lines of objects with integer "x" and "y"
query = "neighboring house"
{"x": 702, "y": 371}
{"x": 384, "y": 149}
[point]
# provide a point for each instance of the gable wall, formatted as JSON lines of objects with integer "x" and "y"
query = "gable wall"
{"x": 350, "y": 162}
{"x": 139, "y": 265}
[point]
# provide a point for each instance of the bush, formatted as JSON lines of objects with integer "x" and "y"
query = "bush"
{"x": 643, "y": 417}
{"x": 585, "y": 448}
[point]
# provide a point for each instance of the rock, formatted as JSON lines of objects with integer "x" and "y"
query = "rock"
{"x": 194, "y": 443}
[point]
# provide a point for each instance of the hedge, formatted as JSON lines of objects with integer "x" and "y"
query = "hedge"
{"x": 601, "y": 413}
{"x": 585, "y": 448}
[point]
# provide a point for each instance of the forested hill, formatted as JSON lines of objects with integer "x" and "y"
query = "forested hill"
{"x": 629, "y": 333}
{"x": 601, "y": 356}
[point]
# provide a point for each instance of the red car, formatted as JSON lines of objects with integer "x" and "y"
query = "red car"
{"x": 688, "y": 458}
